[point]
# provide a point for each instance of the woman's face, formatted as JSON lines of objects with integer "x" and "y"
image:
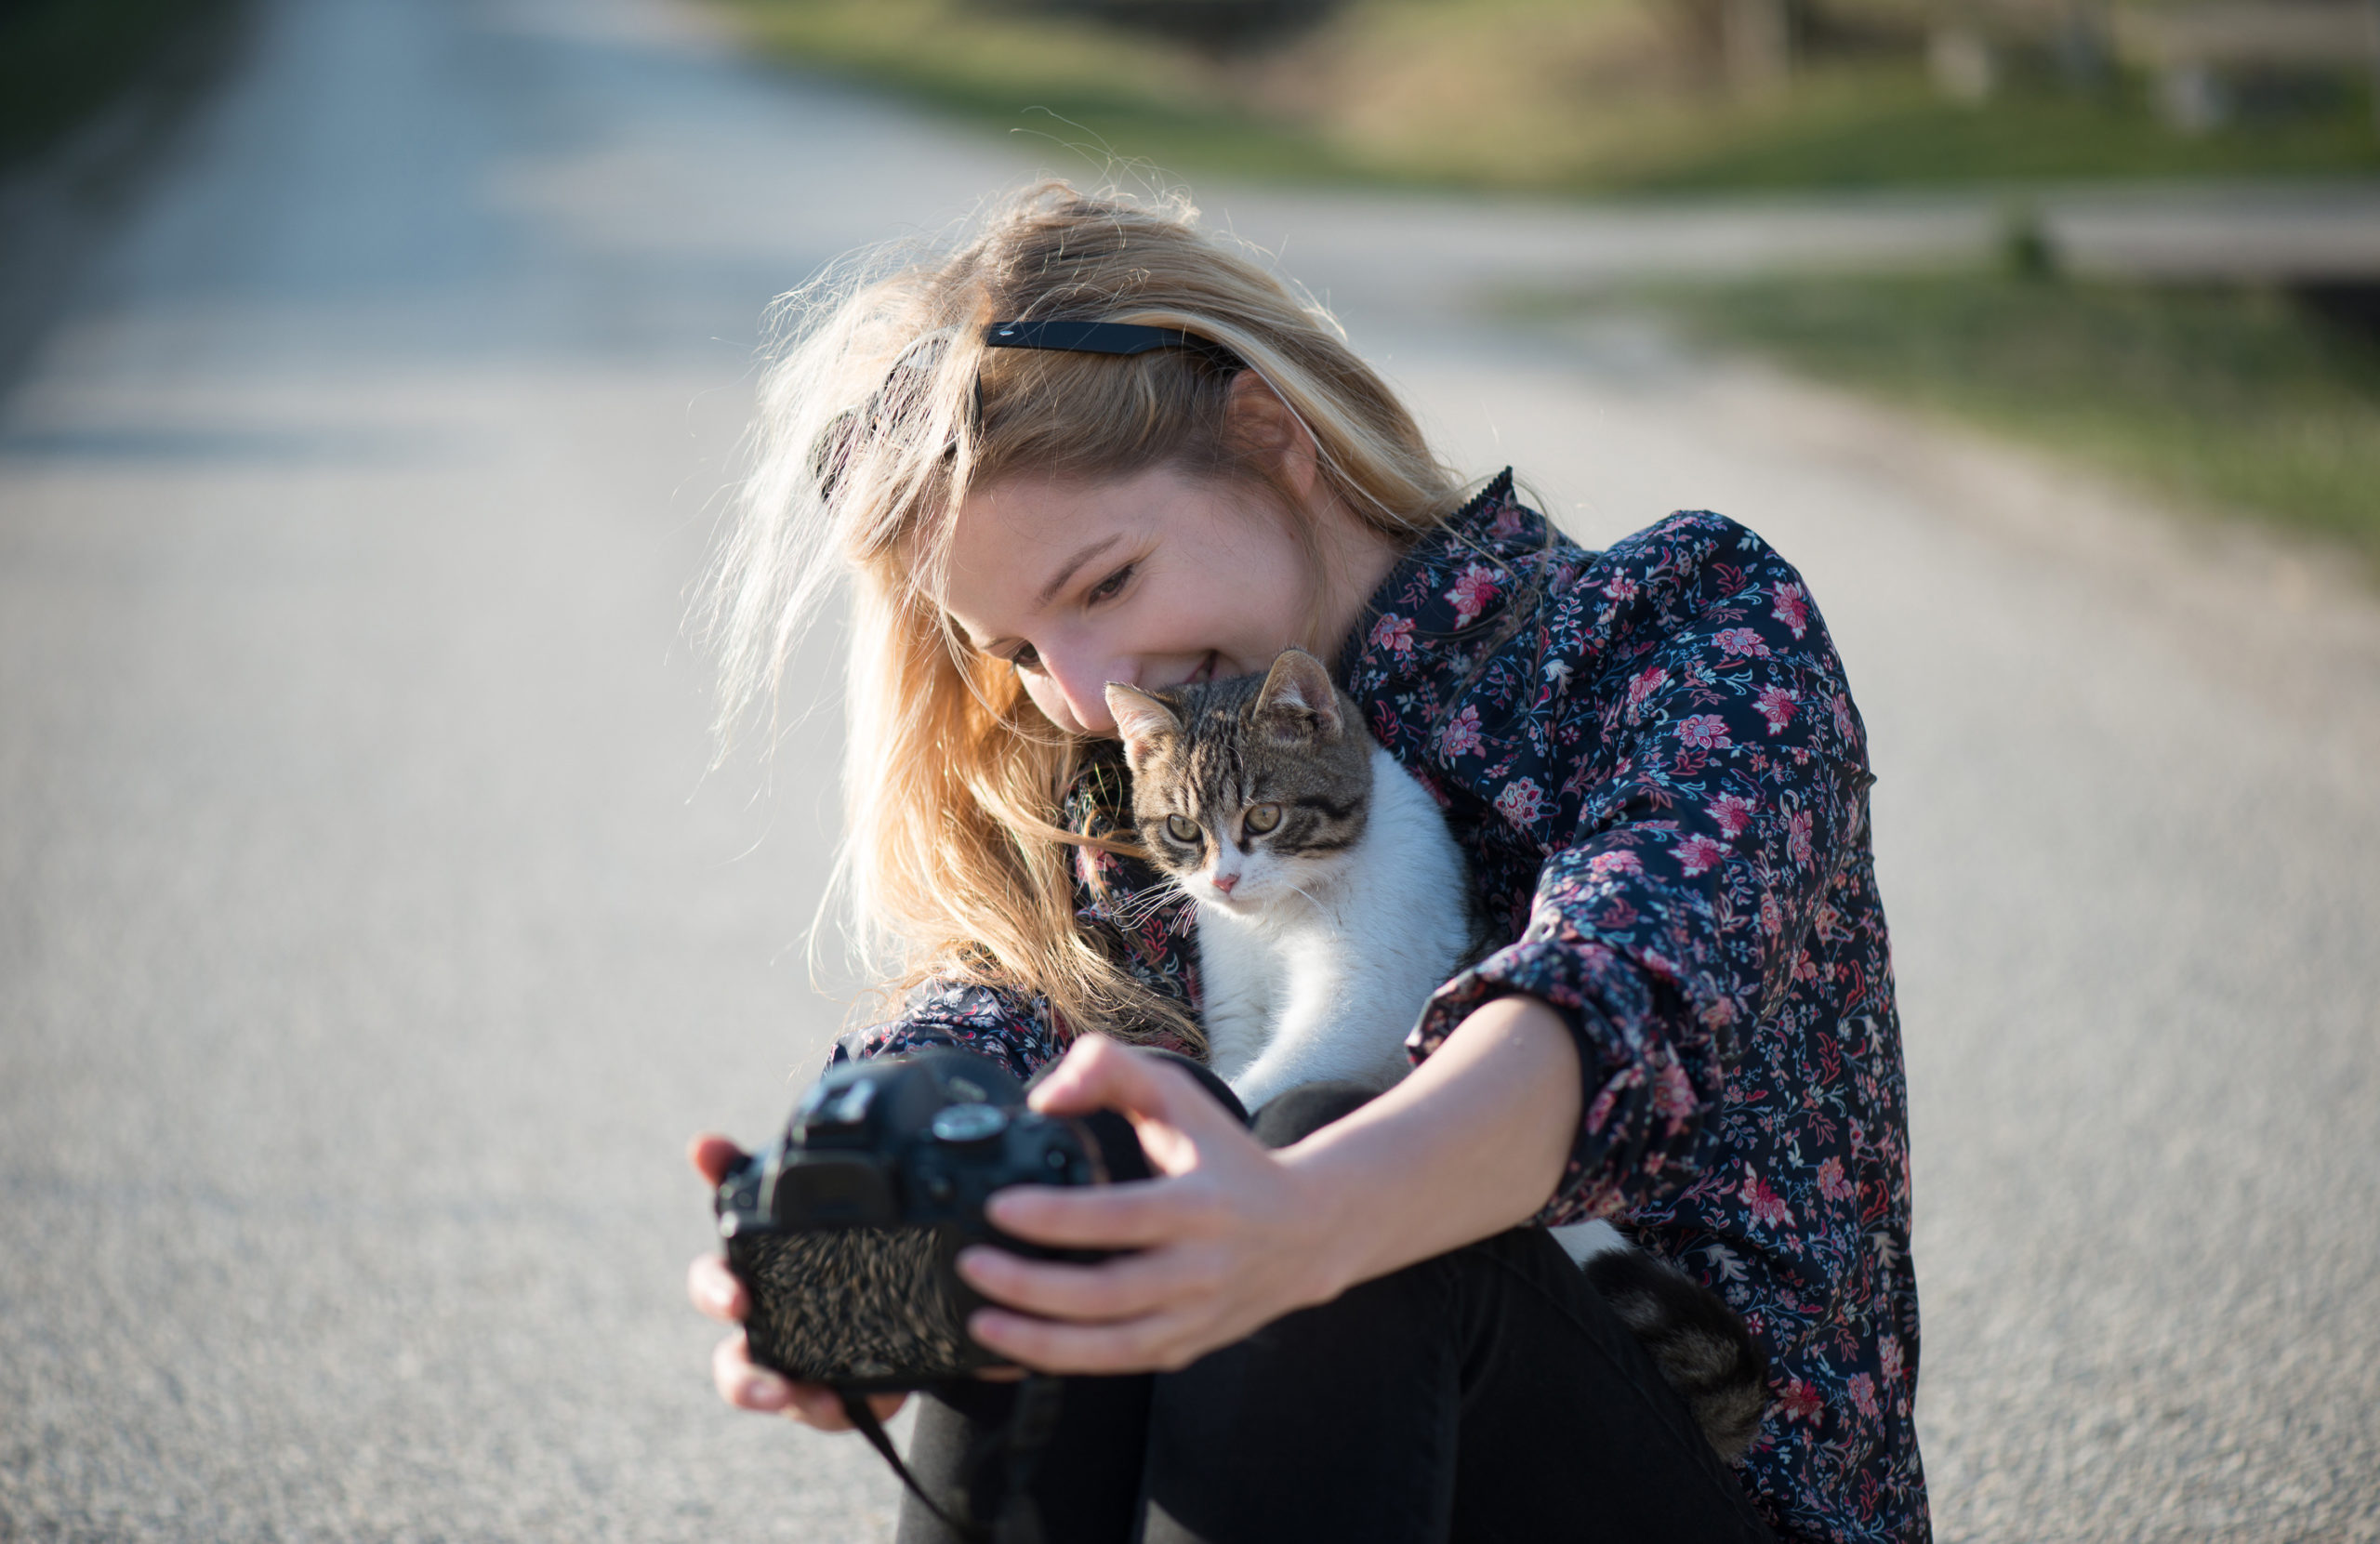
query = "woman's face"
{"x": 1155, "y": 580}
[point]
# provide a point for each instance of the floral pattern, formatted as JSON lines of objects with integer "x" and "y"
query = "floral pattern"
{"x": 1651, "y": 759}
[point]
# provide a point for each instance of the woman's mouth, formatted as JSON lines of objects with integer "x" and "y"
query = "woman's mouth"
{"x": 1205, "y": 671}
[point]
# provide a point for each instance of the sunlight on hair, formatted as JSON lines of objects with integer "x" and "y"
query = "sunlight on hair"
{"x": 882, "y": 409}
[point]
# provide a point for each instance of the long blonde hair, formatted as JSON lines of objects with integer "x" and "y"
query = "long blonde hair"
{"x": 883, "y": 409}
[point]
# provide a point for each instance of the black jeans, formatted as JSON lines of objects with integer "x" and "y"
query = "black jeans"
{"x": 1486, "y": 1394}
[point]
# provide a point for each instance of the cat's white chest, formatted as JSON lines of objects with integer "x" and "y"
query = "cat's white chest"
{"x": 1325, "y": 983}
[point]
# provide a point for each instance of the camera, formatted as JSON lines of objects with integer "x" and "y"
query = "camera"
{"x": 845, "y": 1229}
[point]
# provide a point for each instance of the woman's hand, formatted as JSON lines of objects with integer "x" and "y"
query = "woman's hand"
{"x": 718, "y": 1293}
{"x": 1233, "y": 1236}
{"x": 1228, "y": 1239}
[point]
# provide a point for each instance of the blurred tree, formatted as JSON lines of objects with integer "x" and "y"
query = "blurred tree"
{"x": 2082, "y": 43}
{"x": 62, "y": 60}
{"x": 1215, "y": 27}
{"x": 1748, "y": 45}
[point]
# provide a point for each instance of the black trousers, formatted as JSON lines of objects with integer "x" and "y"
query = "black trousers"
{"x": 1486, "y": 1394}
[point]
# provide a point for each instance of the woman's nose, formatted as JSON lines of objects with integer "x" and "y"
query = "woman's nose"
{"x": 1082, "y": 684}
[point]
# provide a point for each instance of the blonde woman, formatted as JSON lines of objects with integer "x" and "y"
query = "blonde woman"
{"x": 1651, "y": 759}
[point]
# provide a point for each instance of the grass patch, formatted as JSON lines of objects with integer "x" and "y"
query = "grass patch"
{"x": 2239, "y": 398}
{"x": 61, "y": 60}
{"x": 1885, "y": 127}
{"x": 1550, "y": 94}
{"x": 1075, "y": 82}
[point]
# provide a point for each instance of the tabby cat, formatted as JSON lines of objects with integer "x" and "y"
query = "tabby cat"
{"x": 1332, "y": 901}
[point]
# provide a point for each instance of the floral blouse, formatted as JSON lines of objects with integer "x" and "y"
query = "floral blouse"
{"x": 1650, "y": 758}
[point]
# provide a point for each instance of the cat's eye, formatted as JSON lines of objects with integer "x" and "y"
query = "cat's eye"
{"x": 1181, "y": 828}
{"x": 1262, "y": 818}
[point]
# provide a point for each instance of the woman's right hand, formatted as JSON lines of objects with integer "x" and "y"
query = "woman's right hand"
{"x": 718, "y": 1293}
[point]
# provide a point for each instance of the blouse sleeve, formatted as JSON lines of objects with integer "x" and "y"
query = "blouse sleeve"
{"x": 1680, "y": 742}
{"x": 1008, "y": 1027}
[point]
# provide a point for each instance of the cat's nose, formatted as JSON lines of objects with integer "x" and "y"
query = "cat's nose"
{"x": 1224, "y": 881}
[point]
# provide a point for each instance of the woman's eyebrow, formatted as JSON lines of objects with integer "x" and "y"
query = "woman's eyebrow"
{"x": 1049, "y": 590}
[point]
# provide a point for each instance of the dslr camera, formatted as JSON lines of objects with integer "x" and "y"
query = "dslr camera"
{"x": 844, "y": 1229}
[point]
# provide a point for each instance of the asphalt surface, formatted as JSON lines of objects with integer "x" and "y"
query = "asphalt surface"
{"x": 372, "y": 935}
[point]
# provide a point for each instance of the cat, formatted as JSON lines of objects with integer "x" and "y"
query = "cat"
{"x": 1331, "y": 902}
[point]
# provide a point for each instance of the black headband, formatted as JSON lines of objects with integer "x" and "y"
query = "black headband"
{"x": 1115, "y": 339}
{"x": 1103, "y": 337}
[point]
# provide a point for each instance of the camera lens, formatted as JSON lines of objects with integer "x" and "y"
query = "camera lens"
{"x": 967, "y": 1123}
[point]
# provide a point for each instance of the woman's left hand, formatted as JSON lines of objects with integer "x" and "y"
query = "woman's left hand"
{"x": 1228, "y": 1238}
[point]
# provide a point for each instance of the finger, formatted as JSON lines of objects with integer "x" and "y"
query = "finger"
{"x": 1127, "y": 1288}
{"x": 1158, "y": 1342}
{"x": 1170, "y": 1111}
{"x": 741, "y": 1384}
{"x": 713, "y": 1155}
{"x": 715, "y": 1291}
{"x": 755, "y": 1388}
{"x": 1100, "y": 1074}
{"x": 1128, "y": 1216}
{"x": 819, "y": 1407}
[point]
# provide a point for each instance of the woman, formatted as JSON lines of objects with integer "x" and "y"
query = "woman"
{"x": 1650, "y": 758}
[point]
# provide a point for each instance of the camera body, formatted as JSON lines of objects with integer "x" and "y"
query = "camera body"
{"x": 844, "y": 1229}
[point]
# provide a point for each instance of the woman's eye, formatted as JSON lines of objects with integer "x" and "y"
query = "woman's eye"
{"x": 1111, "y": 585}
{"x": 1026, "y": 658}
{"x": 1181, "y": 828}
{"x": 1262, "y": 818}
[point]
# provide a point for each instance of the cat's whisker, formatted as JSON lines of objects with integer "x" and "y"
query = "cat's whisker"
{"x": 1146, "y": 904}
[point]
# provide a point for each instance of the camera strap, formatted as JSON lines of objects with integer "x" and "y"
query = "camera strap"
{"x": 1031, "y": 1423}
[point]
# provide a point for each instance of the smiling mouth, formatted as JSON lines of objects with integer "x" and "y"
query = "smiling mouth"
{"x": 1205, "y": 671}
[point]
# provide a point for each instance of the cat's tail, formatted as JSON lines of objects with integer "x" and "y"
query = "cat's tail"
{"x": 1700, "y": 1345}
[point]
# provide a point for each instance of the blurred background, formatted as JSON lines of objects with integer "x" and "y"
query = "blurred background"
{"x": 2234, "y": 367}
{"x": 378, "y": 916}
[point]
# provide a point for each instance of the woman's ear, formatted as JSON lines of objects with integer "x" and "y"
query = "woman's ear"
{"x": 1259, "y": 422}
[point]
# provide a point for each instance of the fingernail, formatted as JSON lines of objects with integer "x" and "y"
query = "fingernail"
{"x": 766, "y": 1393}
{"x": 719, "y": 1294}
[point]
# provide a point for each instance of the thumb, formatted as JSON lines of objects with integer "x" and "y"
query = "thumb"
{"x": 1168, "y": 1111}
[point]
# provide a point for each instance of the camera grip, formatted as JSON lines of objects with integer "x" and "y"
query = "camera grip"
{"x": 864, "y": 1309}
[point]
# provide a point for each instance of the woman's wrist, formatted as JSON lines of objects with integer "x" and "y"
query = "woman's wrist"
{"x": 1344, "y": 1210}
{"x": 1473, "y": 1142}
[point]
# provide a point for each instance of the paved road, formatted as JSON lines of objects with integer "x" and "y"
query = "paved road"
{"x": 370, "y": 934}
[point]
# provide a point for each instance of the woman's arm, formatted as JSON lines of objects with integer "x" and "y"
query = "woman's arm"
{"x": 1695, "y": 781}
{"x": 1233, "y": 1236}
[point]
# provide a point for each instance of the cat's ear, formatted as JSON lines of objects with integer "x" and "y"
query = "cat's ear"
{"x": 1298, "y": 686}
{"x": 1139, "y": 718}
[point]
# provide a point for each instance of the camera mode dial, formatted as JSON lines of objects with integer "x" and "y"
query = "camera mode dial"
{"x": 969, "y": 1125}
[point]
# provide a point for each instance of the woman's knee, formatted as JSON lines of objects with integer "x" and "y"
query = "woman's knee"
{"x": 1299, "y": 1112}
